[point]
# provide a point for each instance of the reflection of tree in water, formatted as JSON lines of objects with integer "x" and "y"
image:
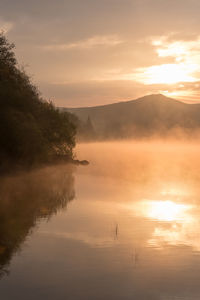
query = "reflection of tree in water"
{"x": 27, "y": 198}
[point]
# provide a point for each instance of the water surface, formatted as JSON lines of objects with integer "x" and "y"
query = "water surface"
{"x": 125, "y": 227}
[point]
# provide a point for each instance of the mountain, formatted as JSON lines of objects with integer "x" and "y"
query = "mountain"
{"x": 154, "y": 114}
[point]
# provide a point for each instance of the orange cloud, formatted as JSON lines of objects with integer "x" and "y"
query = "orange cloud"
{"x": 96, "y": 41}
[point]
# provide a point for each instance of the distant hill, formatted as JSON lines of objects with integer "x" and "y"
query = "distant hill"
{"x": 154, "y": 114}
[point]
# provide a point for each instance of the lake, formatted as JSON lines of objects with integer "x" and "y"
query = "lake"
{"x": 125, "y": 227}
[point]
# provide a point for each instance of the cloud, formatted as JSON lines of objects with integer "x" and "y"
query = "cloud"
{"x": 108, "y": 40}
{"x": 187, "y": 91}
{"x": 96, "y": 41}
{"x": 96, "y": 92}
{"x": 179, "y": 49}
{"x": 185, "y": 68}
{"x": 166, "y": 74}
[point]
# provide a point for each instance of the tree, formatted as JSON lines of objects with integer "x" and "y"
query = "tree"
{"x": 31, "y": 129}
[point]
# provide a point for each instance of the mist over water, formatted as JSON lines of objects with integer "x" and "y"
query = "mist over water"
{"x": 124, "y": 227}
{"x": 149, "y": 163}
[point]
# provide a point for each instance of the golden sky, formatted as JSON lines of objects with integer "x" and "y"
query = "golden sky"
{"x": 92, "y": 52}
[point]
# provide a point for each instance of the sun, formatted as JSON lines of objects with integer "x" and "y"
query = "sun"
{"x": 167, "y": 74}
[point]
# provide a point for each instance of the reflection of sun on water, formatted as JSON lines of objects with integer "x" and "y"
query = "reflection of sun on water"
{"x": 174, "y": 223}
{"x": 182, "y": 224}
{"x": 165, "y": 210}
{"x": 168, "y": 208}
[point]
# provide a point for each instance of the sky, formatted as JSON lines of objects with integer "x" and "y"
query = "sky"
{"x": 94, "y": 52}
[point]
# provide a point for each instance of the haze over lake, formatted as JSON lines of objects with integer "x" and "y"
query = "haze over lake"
{"x": 99, "y": 150}
{"x": 124, "y": 227}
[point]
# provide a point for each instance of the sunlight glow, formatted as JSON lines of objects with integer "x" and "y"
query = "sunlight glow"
{"x": 185, "y": 69}
{"x": 167, "y": 74}
{"x": 166, "y": 210}
{"x": 177, "y": 49}
{"x": 178, "y": 94}
{"x": 174, "y": 191}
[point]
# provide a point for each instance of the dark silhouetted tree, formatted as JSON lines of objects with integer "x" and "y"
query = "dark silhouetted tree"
{"x": 31, "y": 129}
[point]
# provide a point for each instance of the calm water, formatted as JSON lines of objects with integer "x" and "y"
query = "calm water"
{"x": 125, "y": 227}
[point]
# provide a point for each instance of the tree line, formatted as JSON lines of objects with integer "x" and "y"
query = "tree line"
{"x": 32, "y": 130}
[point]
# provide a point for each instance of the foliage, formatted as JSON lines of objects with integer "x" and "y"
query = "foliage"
{"x": 31, "y": 129}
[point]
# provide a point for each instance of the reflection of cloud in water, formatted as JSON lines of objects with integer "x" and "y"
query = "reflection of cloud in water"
{"x": 154, "y": 223}
{"x": 85, "y": 237}
{"x": 153, "y": 256}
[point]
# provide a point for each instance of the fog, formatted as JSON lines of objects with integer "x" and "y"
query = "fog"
{"x": 126, "y": 225}
{"x": 150, "y": 163}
